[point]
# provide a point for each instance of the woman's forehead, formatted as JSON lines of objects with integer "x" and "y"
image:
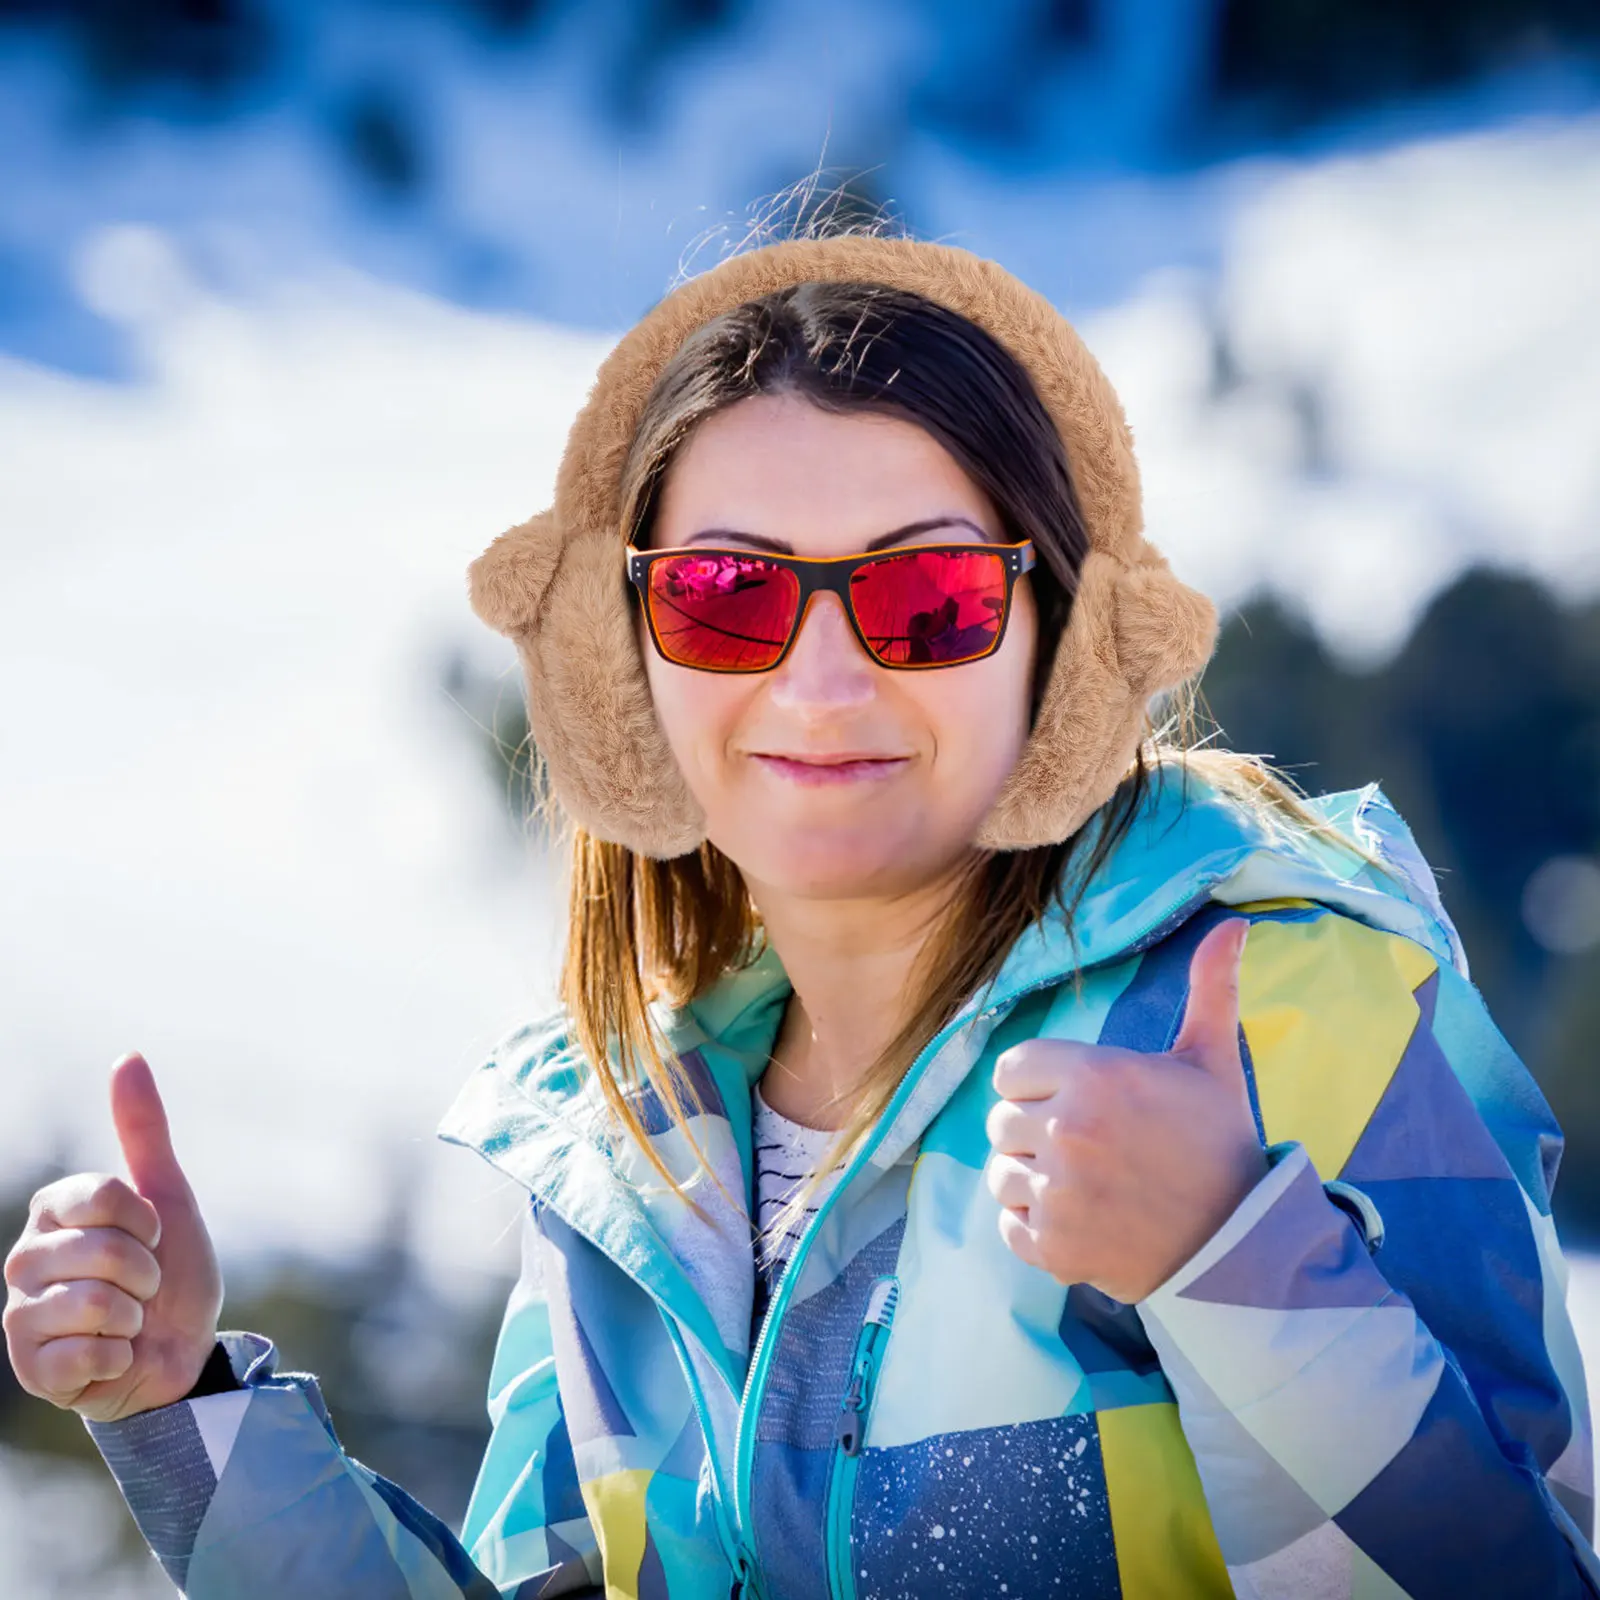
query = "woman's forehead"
{"x": 821, "y": 482}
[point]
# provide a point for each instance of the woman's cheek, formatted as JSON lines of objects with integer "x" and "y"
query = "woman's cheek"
{"x": 980, "y": 724}
{"x": 695, "y": 714}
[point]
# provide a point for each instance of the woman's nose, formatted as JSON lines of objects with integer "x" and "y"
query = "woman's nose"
{"x": 826, "y": 668}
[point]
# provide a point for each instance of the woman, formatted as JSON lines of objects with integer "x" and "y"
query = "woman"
{"x": 986, "y": 1147}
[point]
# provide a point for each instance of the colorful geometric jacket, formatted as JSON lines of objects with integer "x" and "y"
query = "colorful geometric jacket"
{"x": 1364, "y": 1385}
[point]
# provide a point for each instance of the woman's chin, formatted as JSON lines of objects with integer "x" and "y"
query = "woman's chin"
{"x": 839, "y": 865}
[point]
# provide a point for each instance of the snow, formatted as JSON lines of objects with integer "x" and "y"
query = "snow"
{"x": 243, "y": 828}
{"x": 1414, "y": 337}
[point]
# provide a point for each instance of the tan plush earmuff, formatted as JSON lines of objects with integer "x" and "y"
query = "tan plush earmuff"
{"x": 555, "y": 585}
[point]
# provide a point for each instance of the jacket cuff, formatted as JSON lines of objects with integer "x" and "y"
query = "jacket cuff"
{"x": 168, "y": 1462}
{"x": 1288, "y": 1246}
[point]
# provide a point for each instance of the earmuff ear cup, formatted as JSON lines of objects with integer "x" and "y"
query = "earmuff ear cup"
{"x": 557, "y": 585}
{"x": 507, "y": 582}
{"x": 590, "y": 710}
{"x": 1166, "y": 631}
{"x": 1132, "y": 632}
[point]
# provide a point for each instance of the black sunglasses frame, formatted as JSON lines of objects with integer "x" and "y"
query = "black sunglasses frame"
{"x": 817, "y": 574}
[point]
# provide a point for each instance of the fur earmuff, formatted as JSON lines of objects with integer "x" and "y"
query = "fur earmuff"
{"x": 556, "y": 586}
{"x": 509, "y": 579}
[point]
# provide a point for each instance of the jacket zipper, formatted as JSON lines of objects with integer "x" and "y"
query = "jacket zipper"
{"x": 855, "y": 1410}
{"x": 747, "y": 1583}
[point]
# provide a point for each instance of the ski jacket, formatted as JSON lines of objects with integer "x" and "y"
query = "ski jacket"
{"x": 1364, "y": 1384}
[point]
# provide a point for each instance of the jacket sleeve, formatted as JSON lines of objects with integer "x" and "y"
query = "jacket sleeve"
{"x": 247, "y": 1495}
{"x": 1372, "y": 1358}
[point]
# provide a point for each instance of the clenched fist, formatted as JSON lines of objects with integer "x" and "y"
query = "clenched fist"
{"x": 113, "y": 1288}
{"x": 1113, "y": 1167}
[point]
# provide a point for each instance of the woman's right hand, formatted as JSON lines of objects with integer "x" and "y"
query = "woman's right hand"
{"x": 113, "y": 1288}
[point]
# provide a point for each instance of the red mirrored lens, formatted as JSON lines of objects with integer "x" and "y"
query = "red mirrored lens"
{"x": 728, "y": 613}
{"x": 931, "y": 608}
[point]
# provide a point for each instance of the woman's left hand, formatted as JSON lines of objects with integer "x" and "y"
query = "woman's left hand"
{"x": 1112, "y": 1167}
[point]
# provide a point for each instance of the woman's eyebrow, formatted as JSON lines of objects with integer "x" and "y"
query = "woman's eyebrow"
{"x": 782, "y": 548}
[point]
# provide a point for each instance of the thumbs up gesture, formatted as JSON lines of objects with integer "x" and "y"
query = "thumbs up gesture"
{"x": 113, "y": 1290}
{"x": 1112, "y": 1167}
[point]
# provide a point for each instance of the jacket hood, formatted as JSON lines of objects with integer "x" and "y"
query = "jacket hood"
{"x": 533, "y": 1110}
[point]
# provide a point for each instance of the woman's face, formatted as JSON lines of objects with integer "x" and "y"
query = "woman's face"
{"x": 761, "y": 751}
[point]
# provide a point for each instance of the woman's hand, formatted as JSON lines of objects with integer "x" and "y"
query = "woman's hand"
{"x": 114, "y": 1291}
{"x": 1113, "y": 1167}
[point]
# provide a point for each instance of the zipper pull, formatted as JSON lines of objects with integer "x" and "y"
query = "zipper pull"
{"x": 850, "y": 1414}
{"x": 880, "y": 1311}
{"x": 745, "y": 1586}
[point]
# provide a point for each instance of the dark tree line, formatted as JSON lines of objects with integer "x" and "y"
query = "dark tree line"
{"x": 1265, "y": 67}
{"x": 1484, "y": 731}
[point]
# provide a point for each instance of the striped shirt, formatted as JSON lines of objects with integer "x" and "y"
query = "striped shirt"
{"x": 786, "y": 1153}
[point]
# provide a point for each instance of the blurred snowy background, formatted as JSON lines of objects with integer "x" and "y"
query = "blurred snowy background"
{"x": 296, "y": 304}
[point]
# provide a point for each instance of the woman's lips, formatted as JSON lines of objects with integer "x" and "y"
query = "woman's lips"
{"x": 860, "y": 769}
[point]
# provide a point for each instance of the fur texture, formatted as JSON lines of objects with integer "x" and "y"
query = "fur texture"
{"x": 555, "y": 584}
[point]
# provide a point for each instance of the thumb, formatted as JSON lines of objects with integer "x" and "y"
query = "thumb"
{"x": 1209, "y": 1036}
{"x": 140, "y": 1120}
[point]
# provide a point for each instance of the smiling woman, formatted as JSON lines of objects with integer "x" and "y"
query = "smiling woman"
{"x": 988, "y": 1144}
{"x": 829, "y": 420}
{"x": 924, "y": 753}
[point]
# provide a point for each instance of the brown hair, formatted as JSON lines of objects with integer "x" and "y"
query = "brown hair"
{"x": 642, "y": 929}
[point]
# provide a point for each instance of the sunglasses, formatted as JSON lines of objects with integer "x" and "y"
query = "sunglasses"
{"x": 931, "y": 605}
